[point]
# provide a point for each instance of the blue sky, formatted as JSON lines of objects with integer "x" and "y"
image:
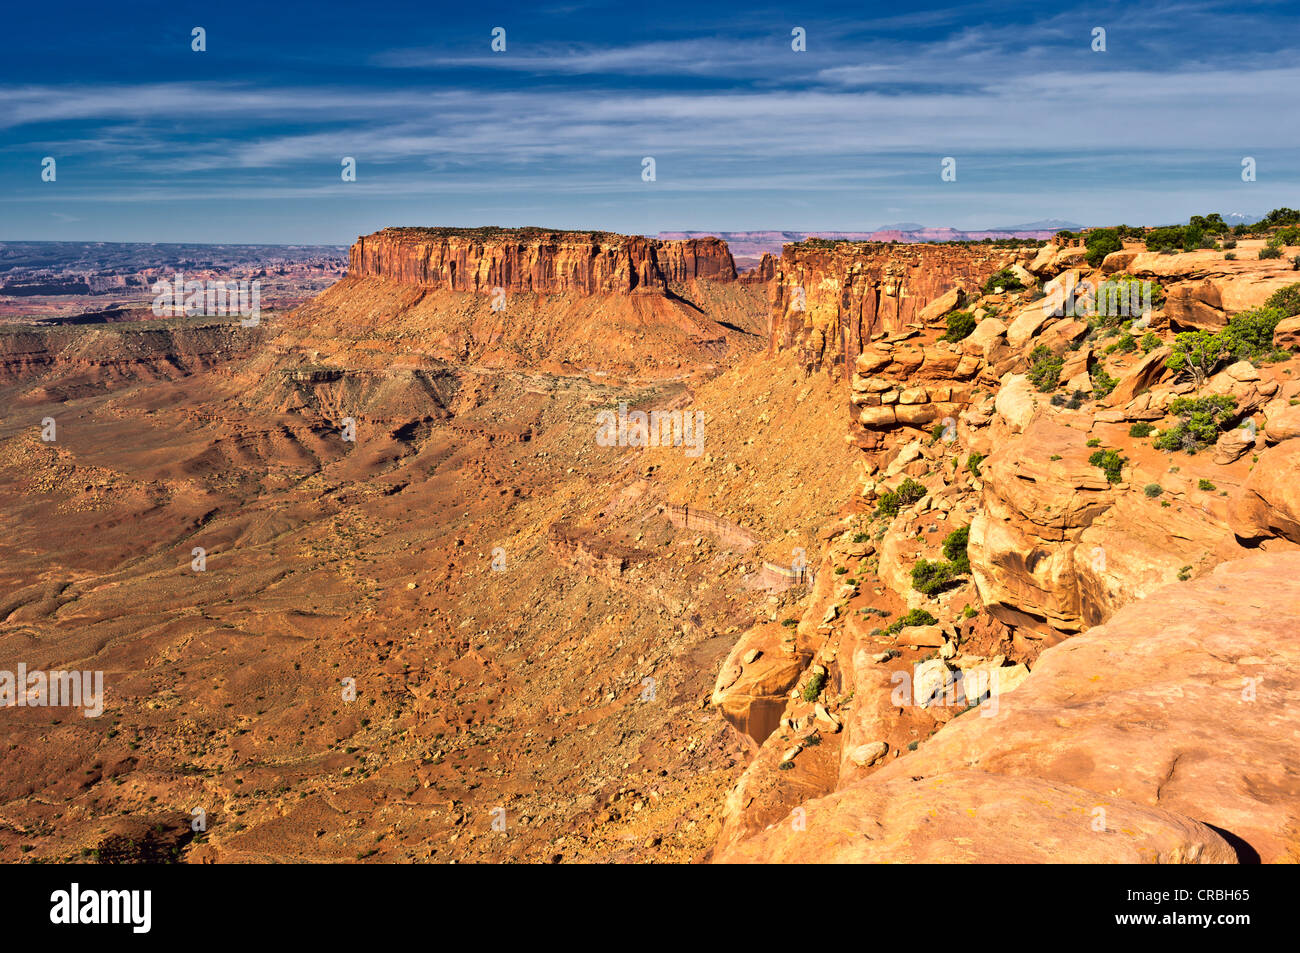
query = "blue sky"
{"x": 243, "y": 142}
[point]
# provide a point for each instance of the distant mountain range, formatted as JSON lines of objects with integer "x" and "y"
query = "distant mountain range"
{"x": 749, "y": 246}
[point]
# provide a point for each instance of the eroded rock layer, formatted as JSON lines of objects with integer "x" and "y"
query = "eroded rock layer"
{"x": 829, "y": 298}
{"x": 537, "y": 260}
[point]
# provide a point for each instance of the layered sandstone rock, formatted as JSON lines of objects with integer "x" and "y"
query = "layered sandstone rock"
{"x": 1204, "y": 289}
{"x": 537, "y": 260}
{"x": 1166, "y": 735}
{"x": 828, "y": 299}
{"x": 1058, "y": 548}
{"x": 897, "y": 382}
{"x": 763, "y": 272}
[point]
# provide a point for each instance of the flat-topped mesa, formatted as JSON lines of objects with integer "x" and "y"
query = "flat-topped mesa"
{"x": 544, "y": 261}
{"x": 828, "y": 298}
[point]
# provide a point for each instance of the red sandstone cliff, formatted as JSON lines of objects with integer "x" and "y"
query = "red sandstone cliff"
{"x": 536, "y": 260}
{"x": 851, "y": 290}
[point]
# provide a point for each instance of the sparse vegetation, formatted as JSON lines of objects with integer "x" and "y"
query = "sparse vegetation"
{"x": 912, "y": 617}
{"x": 954, "y": 549}
{"x": 1102, "y": 382}
{"x": 1110, "y": 462}
{"x": 1140, "y": 429}
{"x": 907, "y": 493}
{"x": 931, "y": 577}
{"x": 1286, "y": 300}
{"x": 960, "y": 325}
{"x": 1100, "y": 242}
{"x": 973, "y": 464}
{"x": 1152, "y": 490}
{"x": 813, "y": 688}
{"x": 1201, "y": 421}
{"x": 1045, "y": 368}
{"x": 1005, "y": 279}
{"x": 1206, "y": 485}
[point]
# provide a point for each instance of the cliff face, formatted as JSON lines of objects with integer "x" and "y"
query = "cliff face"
{"x": 828, "y": 299}
{"x": 535, "y": 260}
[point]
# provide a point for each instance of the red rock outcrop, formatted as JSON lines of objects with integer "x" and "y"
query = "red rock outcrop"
{"x": 1268, "y": 506}
{"x": 1162, "y": 736}
{"x": 763, "y": 272}
{"x": 828, "y": 299}
{"x": 537, "y": 260}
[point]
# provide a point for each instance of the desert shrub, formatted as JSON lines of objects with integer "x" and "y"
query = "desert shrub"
{"x": 1125, "y": 344}
{"x": 1150, "y": 341}
{"x": 933, "y": 576}
{"x": 1152, "y": 490}
{"x": 1167, "y": 238}
{"x": 960, "y": 326}
{"x": 814, "y": 687}
{"x": 912, "y": 617}
{"x": 954, "y": 548}
{"x": 1206, "y": 485}
{"x": 1102, "y": 383}
{"x": 1124, "y": 296}
{"x": 1045, "y": 368}
{"x": 1196, "y": 354}
{"x": 1285, "y": 300}
{"x": 907, "y": 493}
{"x": 1005, "y": 279}
{"x": 1279, "y": 216}
{"x": 1230, "y": 243}
{"x": 973, "y": 464}
{"x": 1201, "y": 419}
{"x": 1249, "y": 335}
{"x": 1285, "y": 236}
{"x": 1270, "y": 252}
{"x": 1140, "y": 429}
{"x": 1230, "y": 256}
{"x": 1100, "y": 243}
{"x": 1110, "y": 462}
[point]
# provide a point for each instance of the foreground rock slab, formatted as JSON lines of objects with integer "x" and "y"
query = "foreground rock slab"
{"x": 1178, "y": 719}
{"x": 973, "y": 818}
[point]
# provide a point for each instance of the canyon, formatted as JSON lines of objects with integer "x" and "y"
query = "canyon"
{"x": 898, "y": 609}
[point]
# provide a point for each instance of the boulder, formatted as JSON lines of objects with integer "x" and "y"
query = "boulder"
{"x": 1016, "y": 402}
{"x": 1284, "y": 424}
{"x": 987, "y": 334}
{"x": 1118, "y": 261}
{"x": 751, "y": 688}
{"x": 1287, "y": 334}
{"x": 1028, "y": 322}
{"x": 1232, "y": 445}
{"x": 950, "y": 300}
{"x": 1268, "y": 505}
{"x": 921, "y": 636}
{"x": 1139, "y": 377}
